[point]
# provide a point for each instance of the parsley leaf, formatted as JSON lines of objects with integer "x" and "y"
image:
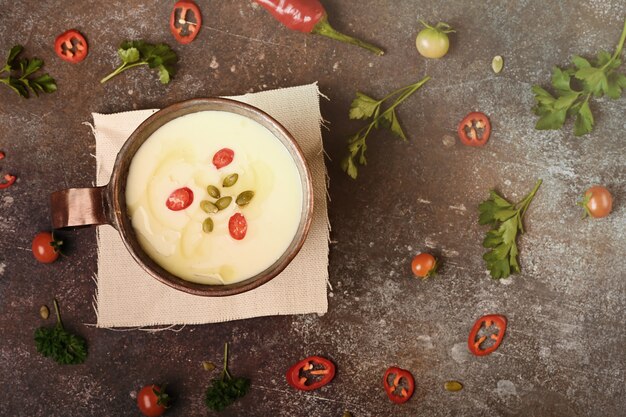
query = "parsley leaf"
{"x": 225, "y": 390}
{"x": 364, "y": 107}
{"x": 59, "y": 344}
{"x": 135, "y": 53}
{"x": 20, "y": 74}
{"x": 596, "y": 79}
{"x": 506, "y": 220}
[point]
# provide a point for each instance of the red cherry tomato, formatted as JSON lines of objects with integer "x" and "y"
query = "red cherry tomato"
{"x": 152, "y": 400}
{"x": 474, "y": 129}
{"x": 597, "y": 202}
{"x": 223, "y": 157}
{"x": 237, "y": 226}
{"x": 424, "y": 265}
{"x": 185, "y": 21}
{"x": 46, "y": 248}
{"x": 179, "y": 199}
{"x": 71, "y": 46}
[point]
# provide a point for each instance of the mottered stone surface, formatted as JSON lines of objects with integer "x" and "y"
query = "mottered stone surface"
{"x": 563, "y": 354}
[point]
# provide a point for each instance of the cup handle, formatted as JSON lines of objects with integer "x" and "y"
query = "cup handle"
{"x": 79, "y": 207}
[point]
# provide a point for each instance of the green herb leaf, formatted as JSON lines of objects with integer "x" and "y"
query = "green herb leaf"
{"x": 506, "y": 221}
{"x": 135, "y": 53}
{"x": 21, "y": 74}
{"x": 365, "y": 107}
{"x": 225, "y": 390}
{"x": 597, "y": 80}
{"x": 59, "y": 344}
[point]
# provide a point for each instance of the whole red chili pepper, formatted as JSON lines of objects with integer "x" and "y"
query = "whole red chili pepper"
{"x": 309, "y": 16}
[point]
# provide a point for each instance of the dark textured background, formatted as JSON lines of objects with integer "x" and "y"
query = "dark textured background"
{"x": 564, "y": 350}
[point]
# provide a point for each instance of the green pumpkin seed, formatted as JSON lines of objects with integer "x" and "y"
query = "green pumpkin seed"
{"x": 230, "y": 180}
{"x": 347, "y": 414}
{"x": 44, "y": 312}
{"x": 207, "y": 225}
{"x": 497, "y": 63}
{"x": 453, "y": 386}
{"x": 213, "y": 191}
{"x": 208, "y": 207}
{"x": 244, "y": 198}
{"x": 208, "y": 366}
{"x": 223, "y": 202}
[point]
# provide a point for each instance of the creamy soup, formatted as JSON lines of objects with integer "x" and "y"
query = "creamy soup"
{"x": 214, "y": 197}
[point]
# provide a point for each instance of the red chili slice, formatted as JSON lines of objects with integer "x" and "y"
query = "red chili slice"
{"x": 223, "y": 157}
{"x": 311, "y": 373}
{"x": 185, "y": 21}
{"x": 179, "y": 199}
{"x": 474, "y": 344}
{"x": 474, "y": 129}
{"x": 237, "y": 226}
{"x": 8, "y": 181}
{"x": 395, "y": 389}
{"x": 71, "y": 46}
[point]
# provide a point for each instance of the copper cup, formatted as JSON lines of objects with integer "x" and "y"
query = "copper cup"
{"x": 107, "y": 204}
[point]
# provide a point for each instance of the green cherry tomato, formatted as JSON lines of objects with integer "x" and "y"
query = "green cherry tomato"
{"x": 433, "y": 42}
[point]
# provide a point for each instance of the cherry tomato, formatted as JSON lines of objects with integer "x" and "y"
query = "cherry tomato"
{"x": 597, "y": 202}
{"x": 223, "y": 157}
{"x": 433, "y": 42}
{"x": 71, "y": 46}
{"x": 185, "y": 21}
{"x": 46, "y": 248}
{"x": 237, "y": 226}
{"x": 424, "y": 265}
{"x": 152, "y": 400}
{"x": 179, "y": 199}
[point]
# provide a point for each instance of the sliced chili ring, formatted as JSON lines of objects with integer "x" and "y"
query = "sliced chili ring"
{"x": 311, "y": 373}
{"x": 71, "y": 46}
{"x": 474, "y": 129}
{"x": 395, "y": 390}
{"x": 8, "y": 181}
{"x": 474, "y": 342}
{"x": 185, "y": 21}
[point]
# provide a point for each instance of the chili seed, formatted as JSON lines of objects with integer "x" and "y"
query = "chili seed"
{"x": 208, "y": 207}
{"x": 497, "y": 63}
{"x": 230, "y": 180}
{"x": 223, "y": 202}
{"x": 213, "y": 191}
{"x": 244, "y": 198}
{"x": 207, "y": 225}
{"x": 44, "y": 312}
{"x": 453, "y": 386}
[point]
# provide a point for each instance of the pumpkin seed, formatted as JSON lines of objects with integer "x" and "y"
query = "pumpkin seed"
{"x": 44, "y": 312}
{"x": 223, "y": 202}
{"x": 208, "y": 207}
{"x": 213, "y": 191}
{"x": 230, "y": 180}
{"x": 497, "y": 63}
{"x": 347, "y": 414}
{"x": 453, "y": 386}
{"x": 244, "y": 198}
{"x": 207, "y": 225}
{"x": 208, "y": 366}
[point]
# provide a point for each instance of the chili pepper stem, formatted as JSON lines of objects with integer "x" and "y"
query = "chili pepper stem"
{"x": 325, "y": 29}
{"x": 121, "y": 69}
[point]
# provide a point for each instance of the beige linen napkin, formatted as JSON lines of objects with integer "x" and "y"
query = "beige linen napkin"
{"x": 128, "y": 297}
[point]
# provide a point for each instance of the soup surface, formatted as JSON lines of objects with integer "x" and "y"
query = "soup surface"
{"x": 214, "y": 197}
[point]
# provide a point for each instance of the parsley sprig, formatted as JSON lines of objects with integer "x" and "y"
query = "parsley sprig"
{"x": 59, "y": 344}
{"x": 225, "y": 390}
{"x": 506, "y": 220}
{"x": 137, "y": 53}
{"x": 596, "y": 79}
{"x": 19, "y": 74}
{"x": 365, "y": 107}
